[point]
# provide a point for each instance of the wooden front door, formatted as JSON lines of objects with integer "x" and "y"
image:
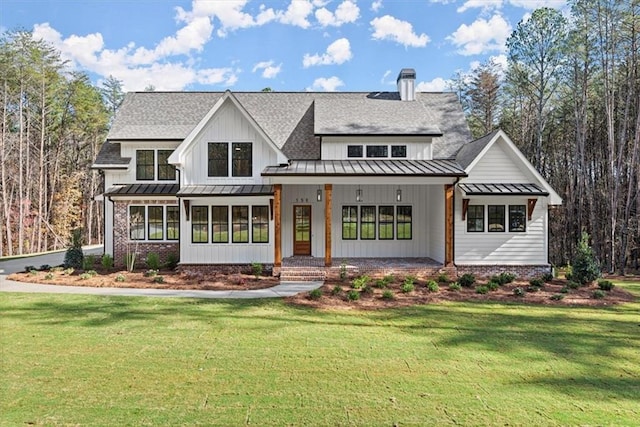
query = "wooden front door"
{"x": 302, "y": 230}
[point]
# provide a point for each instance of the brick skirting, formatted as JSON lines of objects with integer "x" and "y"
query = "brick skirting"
{"x": 213, "y": 269}
{"x": 521, "y": 271}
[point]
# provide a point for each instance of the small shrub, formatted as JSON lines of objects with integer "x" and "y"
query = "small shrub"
{"x": 432, "y": 286}
{"x": 315, "y": 294}
{"x": 91, "y": 273}
{"x": 68, "y": 271}
{"x": 343, "y": 270}
{"x": 493, "y": 286}
{"x": 573, "y": 285}
{"x": 153, "y": 261}
{"x": 45, "y": 267}
{"x": 120, "y": 278}
{"x": 158, "y": 279}
{"x": 256, "y": 269}
{"x": 389, "y": 278}
{"x": 585, "y": 266}
{"x": 605, "y": 285}
{"x": 519, "y": 292}
{"x": 443, "y": 278}
{"x": 353, "y": 295}
{"x": 532, "y": 288}
{"x": 568, "y": 275}
{"x": 503, "y": 278}
{"x": 337, "y": 290}
{"x": 482, "y": 289}
{"x": 564, "y": 290}
{"x": 455, "y": 286}
{"x": 467, "y": 280}
{"x": 107, "y": 261}
{"x": 367, "y": 290}
{"x": 536, "y": 282}
{"x": 556, "y": 297}
{"x": 172, "y": 261}
{"x": 89, "y": 262}
{"x": 57, "y": 269}
{"x": 48, "y": 276}
{"x": 150, "y": 273}
{"x": 407, "y": 287}
{"x": 85, "y": 276}
{"x": 547, "y": 277}
{"x": 380, "y": 283}
{"x": 598, "y": 294}
{"x": 29, "y": 268}
{"x": 360, "y": 282}
{"x": 387, "y": 294}
{"x": 74, "y": 258}
{"x": 410, "y": 279}
{"x": 33, "y": 272}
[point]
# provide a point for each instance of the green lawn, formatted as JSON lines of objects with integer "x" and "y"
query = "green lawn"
{"x": 83, "y": 360}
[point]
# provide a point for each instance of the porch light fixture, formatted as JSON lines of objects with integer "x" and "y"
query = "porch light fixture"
{"x": 398, "y": 195}
{"x": 358, "y": 195}
{"x": 319, "y": 195}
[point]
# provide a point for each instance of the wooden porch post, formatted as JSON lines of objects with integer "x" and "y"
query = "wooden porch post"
{"x": 277, "y": 217}
{"x": 327, "y": 224}
{"x": 448, "y": 225}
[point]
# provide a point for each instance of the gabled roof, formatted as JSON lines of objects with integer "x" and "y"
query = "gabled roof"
{"x": 292, "y": 119}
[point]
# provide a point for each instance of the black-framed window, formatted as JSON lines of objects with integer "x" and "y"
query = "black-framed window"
{"x": 260, "y": 224}
{"x": 145, "y": 165}
{"x": 173, "y": 222}
{"x": 219, "y": 224}
{"x": 385, "y": 222}
{"x": 242, "y": 159}
{"x": 218, "y": 159}
{"x": 349, "y": 222}
{"x": 496, "y": 216}
{"x": 368, "y": 222}
{"x": 155, "y": 222}
{"x": 517, "y": 218}
{"x": 377, "y": 151}
{"x": 398, "y": 151}
{"x": 137, "y": 220}
{"x": 240, "y": 224}
{"x": 404, "y": 220}
{"x": 199, "y": 224}
{"x": 354, "y": 151}
{"x": 475, "y": 218}
{"x": 166, "y": 171}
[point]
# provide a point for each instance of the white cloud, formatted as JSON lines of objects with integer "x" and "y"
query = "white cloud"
{"x": 390, "y": 28}
{"x": 487, "y": 5}
{"x": 326, "y": 85}
{"x": 269, "y": 71}
{"x": 297, "y": 13}
{"x": 481, "y": 36}
{"x": 436, "y": 85}
{"x": 384, "y": 80}
{"x": 376, "y": 5}
{"x": 346, "y": 12}
{"x": 337, "y": 52}
{"x": 484, "y": 4}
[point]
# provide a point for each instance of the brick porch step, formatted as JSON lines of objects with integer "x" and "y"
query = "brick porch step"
{"x": 302, "y": 274}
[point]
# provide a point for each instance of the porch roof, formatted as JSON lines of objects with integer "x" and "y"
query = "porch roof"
{"x": 499, "y": 189}
{"x": 225, "y": 190}
{"x": 142, "y": 190}
{"x": 444, "y": 168}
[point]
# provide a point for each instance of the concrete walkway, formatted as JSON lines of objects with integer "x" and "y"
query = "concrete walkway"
{"x": 284, "y": 289}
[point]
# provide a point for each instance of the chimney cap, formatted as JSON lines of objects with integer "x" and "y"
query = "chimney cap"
{"x": 406, "y": 73}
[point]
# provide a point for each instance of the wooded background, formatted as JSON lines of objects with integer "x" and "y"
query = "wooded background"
{"x": 569, "y": 98}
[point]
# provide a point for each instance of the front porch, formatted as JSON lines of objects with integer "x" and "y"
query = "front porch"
{"x": 306, "y": 268}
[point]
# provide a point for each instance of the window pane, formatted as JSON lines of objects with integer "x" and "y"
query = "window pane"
{"x": 220, "y": 224}
{"x": 368, "y": 222}
{"x": 517, "y": 218}
{"x": 144, "y": 165}
{"x": 260, "y": 224}
{"x": 173, "y": 222}
{"x": 136, "y": 222}
{"x": 166, "y": 172}
{"x": 496, "y": 218}
{"x": 475, "y": 218}
{"x": 354, "y": 150}
{"x": 240, "y": 224}
{"x": 349, "y": 222}
{"x": 242, "y": 159}
{"x": 385, "y": 222}
{"x": 398, "y": 151}
{"x": 218, "y": 159}
{"x": 200, "y": 224}
{"x": 377, "y": 151}
{"x": 156, "y": 222}
{"x": 404, "y": 223}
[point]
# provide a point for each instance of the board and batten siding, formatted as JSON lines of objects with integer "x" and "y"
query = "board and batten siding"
{"x": 498, "y": 166}
{"x": 128, "y": 149}
{"x": 227, "y": 125}
{"x": 224, "y": 253}
{"x": 335, "y": 147}
{"x": 436, "y": 222}
{"x": 501, "y": 248}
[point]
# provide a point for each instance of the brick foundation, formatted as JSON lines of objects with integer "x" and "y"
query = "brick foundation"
{"x": 521, "y": 271}
{"x": 213, "y": 269}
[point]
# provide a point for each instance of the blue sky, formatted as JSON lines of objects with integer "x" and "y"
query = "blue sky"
{"x": 287, "y": 45}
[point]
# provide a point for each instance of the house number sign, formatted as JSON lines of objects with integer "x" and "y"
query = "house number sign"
{"x": 302, "y": 200}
